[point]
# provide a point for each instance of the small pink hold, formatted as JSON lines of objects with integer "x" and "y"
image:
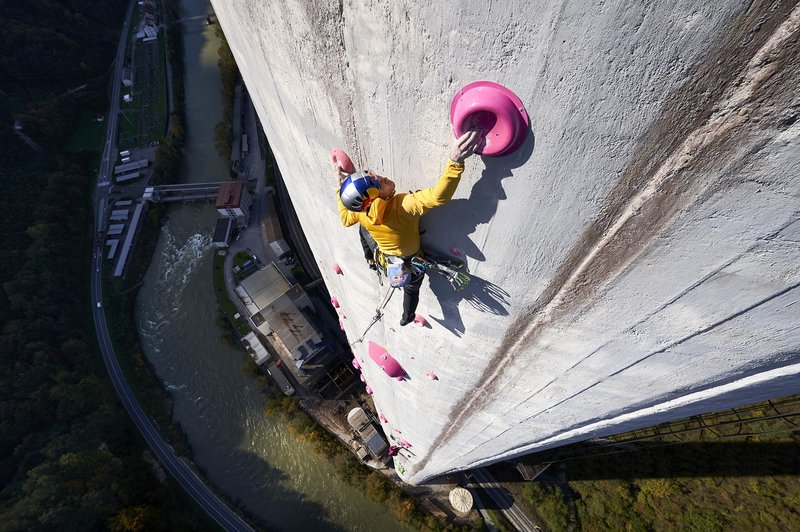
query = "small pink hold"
{"x": 337, "y": 268}
{"x": 383, "y": 419}
{"x": 363, "y": 378}
{"x": 341, "y": 324}
{"x": 398, "y": 431}
{"x": 335, "y": 302}
{"x": 356, "y": 363}
{"x": 420, "y": 321}
{"x": 455, "y": 251}
{"x": 368, "y": 389}
{"x": 340, "y": 159}
{"x": 432, "y": 376}
{"x": 341, "y": 314}
{"x": 404, "y": 444}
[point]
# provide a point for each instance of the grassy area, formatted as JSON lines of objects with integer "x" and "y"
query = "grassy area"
{"x": 546, "y": 501}
{"x": 500, "y": 522}
{"x": 223, "y": 300}
{"x": 693, "y": 474}
{"x": 89, "y": 134}
{"x": 144, "y": 120}
{"x": 240, "y": 258}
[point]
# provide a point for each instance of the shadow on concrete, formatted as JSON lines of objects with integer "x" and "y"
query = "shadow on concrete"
{"x": 485, "y": 498}
{"x": 481, "y": 294}
{"x": 686, "y": 460}
{"x": 451, "y": 226}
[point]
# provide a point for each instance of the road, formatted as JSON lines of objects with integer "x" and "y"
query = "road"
{"x": 505, "y": 503}
{"x": 110, "y": 150}
{"x": 183, "y": 473}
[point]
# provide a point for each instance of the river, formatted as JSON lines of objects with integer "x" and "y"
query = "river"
{"x": 247, "y": 455}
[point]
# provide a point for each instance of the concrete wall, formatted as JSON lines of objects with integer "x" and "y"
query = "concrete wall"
{"x": 635, "y": 261}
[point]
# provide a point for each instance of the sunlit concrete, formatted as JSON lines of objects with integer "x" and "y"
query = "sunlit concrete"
{"x": 635, "y": 261}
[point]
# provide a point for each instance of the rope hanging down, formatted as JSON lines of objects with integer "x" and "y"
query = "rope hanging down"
{"x": 378, "y": 314}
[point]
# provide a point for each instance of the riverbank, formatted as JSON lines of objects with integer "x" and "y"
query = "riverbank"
{"x": 122, "y": 292}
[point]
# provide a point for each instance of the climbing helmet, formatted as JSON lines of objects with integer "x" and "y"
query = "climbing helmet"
{"x": 359, "y": 190}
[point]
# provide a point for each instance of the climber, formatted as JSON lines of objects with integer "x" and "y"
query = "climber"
{"x": 392, "y": 220}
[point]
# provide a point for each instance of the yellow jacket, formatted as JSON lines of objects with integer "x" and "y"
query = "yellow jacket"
{"x": 394, "y": 223}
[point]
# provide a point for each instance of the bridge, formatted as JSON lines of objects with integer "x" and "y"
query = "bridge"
{"x": 184, "y": 192}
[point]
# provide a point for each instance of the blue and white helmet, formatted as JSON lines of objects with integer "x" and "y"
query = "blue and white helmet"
{"x": 359, "y": 190}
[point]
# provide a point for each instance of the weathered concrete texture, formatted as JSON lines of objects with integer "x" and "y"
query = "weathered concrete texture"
{"x": 635, "y": 261}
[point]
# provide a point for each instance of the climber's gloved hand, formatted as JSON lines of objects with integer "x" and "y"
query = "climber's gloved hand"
{"x": 465, "y": 145}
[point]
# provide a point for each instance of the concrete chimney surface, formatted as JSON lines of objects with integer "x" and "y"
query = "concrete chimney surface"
{"x": 635, "y": 261}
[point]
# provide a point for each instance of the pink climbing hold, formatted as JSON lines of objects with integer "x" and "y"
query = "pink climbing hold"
{"x": 400, "y": 378}
{"x": 387, "y": 362}
{"x": 337, "y": 268}
{"x": 363, "y": 378}
{"x": 383, "y": 419}
{"x": 432, "y": 376}
{"x": 342, "y": 315}
{"x": 455, "y": 251}
{"x": 341, "y": 161}
{"x": 341, "y": 324}
{"x": 356, "y": 363}
{"x": 334, "y": 302}
{"x": 496, "y": 111}
{"x": 404, "y": 444}
{"x": 368, "y": 389}
{"x": 420, "y": 321}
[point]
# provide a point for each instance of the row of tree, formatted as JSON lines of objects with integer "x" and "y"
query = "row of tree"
{"x": 70, "y": 459}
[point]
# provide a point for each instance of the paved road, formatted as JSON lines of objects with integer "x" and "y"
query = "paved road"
{"x": 505, "y": 502}
{"x": 110, "y": 150}
{"x": 182, "y": 471}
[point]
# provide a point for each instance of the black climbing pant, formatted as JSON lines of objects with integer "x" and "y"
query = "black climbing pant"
{"x": 411, "y": 299}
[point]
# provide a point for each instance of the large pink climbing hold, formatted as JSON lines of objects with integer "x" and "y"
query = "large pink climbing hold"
{"x": 387, "y": 362}
{"x": 432, "y": 376}
{"x": 383, "y": 419}
{"x": 368, "y": 389}
{"x": 420, "y": 321}
{"x": 496, "y": 111}
{"x": 337, "y": 268}
{"x": 341, "y": 161}
{"x": 334, "y": 302}
{"x": 356, "y": 363}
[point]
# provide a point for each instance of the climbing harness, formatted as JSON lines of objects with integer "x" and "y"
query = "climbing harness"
{"x": 454, "y": 270}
